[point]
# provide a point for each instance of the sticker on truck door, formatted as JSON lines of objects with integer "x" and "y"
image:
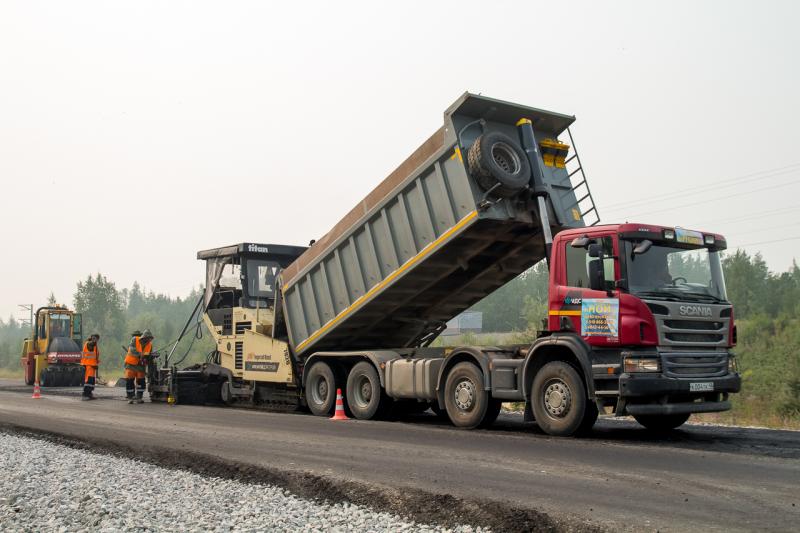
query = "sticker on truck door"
{"x": 600, "y": 317}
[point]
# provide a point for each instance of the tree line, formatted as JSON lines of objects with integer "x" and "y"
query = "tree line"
{"x": 115, "y": 314}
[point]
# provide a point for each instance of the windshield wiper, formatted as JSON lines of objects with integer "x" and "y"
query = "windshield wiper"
{"x": 658, "y": 294}
{"x": 705, "y": 295}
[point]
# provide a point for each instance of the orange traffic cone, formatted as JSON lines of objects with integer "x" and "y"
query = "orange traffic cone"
{"x": 37, "y": 391}
{"x": 339, "y": 413}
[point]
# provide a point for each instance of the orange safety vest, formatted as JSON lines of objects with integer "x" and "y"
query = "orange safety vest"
{"x": 134, "y": 360}
{"x": 90, "y": 357}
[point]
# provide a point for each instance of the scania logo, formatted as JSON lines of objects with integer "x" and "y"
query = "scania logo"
{"x": 257, "y": 248}
{"x": 694, "y": 310}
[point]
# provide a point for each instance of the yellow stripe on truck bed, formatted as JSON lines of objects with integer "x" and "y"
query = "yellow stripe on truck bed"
{"x": 391, "y": 277}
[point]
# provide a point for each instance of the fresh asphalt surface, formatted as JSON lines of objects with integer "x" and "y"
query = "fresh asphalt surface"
{"x": 620, "y": 477}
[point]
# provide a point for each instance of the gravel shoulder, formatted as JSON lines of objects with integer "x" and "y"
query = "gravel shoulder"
{"x": 50, "y": 486}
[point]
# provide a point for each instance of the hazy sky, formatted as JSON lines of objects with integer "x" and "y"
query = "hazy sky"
{"x": 133, "y": 134}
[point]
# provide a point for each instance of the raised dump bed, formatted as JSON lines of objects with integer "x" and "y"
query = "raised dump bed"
{"x": 451, "y": 224}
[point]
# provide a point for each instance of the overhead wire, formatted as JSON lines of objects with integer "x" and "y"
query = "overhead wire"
{"x": 758, "y": 214}
{"x": 706, "y": 200}
{"x": 767, "y": 242}
{"x": 729, "y": 182}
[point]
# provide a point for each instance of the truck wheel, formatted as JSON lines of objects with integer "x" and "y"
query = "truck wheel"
{"x": 495, "y": 159}
{"x": 364, "y": 393}
{"x": 661, "y": 422}
{"x": 589, "y": 418}
{"x": 321, "y": 389}
{"x": 464, "y": 395}
{"x": 492, "y": 412}
{"x": 559, "y": 399}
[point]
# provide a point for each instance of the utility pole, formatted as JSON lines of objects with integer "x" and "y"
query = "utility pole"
{"x": 29, "y": 308}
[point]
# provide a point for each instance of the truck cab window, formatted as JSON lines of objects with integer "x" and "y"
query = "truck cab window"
{"x": 261, "y": 278}
{"x": 578, "y": 265}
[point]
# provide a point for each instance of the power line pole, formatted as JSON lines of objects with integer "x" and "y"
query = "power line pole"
{"x": 29, "y": 308}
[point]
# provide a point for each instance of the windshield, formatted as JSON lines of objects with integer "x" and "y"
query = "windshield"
{"x": 261, "y": 278}
{"x": 59, "y": 325}
{"x": 670, "y": 272}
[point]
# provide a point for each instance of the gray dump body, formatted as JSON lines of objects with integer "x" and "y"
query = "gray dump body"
{"x": 418, "y": 249}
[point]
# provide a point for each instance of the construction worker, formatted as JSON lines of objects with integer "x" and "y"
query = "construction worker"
{"x": 140, "y": 348}
{"x": 90, "y": 360}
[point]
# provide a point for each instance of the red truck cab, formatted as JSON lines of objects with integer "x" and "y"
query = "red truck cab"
{"x": 649, "y": 304}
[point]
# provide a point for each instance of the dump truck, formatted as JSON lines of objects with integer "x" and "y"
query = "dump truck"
{"x": 52, "y": 353}
{"x": 638, "y": 320}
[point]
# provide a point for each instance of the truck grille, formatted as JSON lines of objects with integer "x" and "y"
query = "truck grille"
{"x": 693, "y": 324}
{"x": 700, "y": 338}
{"x": 695, "y": 365}
{"x": 237, "y": 360}
{"x": 677, "y": 331}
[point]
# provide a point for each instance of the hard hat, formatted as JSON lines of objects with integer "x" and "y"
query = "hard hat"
{"x": 136, "y": 333}
{"x": 146, "y": 334}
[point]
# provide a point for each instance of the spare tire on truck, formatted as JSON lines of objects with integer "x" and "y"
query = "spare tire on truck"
{"x": 499, "y": 164}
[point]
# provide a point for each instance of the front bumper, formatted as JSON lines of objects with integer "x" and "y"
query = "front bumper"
{"x": 645, "y": 394}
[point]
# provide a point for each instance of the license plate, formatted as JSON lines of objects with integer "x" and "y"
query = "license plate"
{"x": 706, "y": 386}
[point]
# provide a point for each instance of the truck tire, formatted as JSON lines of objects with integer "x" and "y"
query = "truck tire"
{"x": 492, "y": 412}
{"x": 321, "y": 389}
{"x": 365, "y": 396}
{"x": 661, "y": 422}
{"x": 464, "y": 396}
{"x": 494, "y": 158}
{"x": 559, "y": 399}
{"x": 589, "y": 419}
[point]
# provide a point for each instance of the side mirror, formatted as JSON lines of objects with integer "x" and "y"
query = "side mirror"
{"x": 595, "y": 250}
{"x": 597, "y": 280}
{"x": 642, "y": 247}
{"x": 580, "y": 242}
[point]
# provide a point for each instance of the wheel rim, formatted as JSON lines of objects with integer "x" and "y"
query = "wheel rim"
{"x": 362, "y": 391}
{"x": 506, "y": 158}
{"x": 464, "y": 395}
{"x": 319, "y": 390}
{"x": 557, "y": 398}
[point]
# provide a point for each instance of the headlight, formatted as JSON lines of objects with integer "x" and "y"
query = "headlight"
{"x": 708, "y": 239}
{"x": 732, "y": 366}
{"x": 642, "y": 364}
{"x": 669, "y": 234}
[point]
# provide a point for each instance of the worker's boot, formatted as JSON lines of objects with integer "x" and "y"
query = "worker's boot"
{"x": 129, "y": 390}
{"x": 140, "y": 383}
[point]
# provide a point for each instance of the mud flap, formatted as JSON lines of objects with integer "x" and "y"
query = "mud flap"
{"x": 528, "y": 413}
